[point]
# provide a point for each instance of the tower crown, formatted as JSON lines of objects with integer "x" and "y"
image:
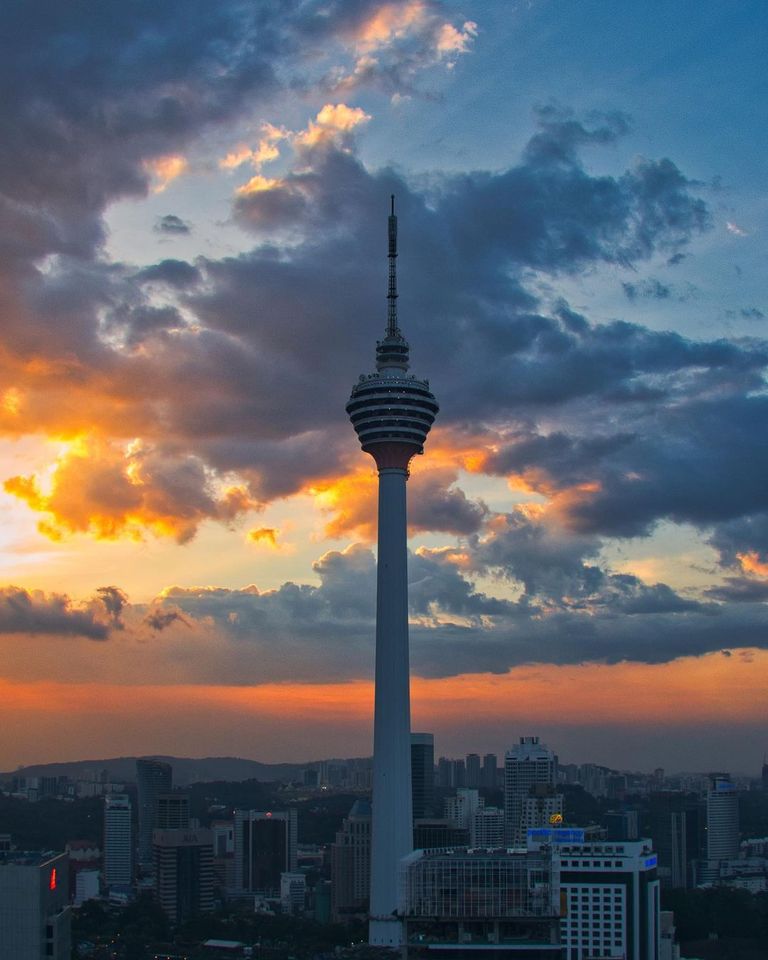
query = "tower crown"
{"x": 392, "y": 412}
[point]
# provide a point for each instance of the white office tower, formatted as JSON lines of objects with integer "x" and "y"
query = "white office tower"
{"x": 722, "y": 841}
{"x": 528, "y": 764}
{"x": 118, "y": 840}
{"x": 609, "y": 895}
{"x": 392, "y": 413}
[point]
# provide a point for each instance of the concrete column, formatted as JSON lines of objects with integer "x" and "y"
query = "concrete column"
{"x": 392, "y": 823}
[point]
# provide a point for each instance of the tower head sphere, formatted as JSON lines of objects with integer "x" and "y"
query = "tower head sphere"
{"x": 391, "y": 411}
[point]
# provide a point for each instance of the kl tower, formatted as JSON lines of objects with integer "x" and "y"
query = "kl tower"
{"x": 392, "y": 413}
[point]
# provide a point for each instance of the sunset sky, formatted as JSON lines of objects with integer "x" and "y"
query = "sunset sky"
{"x": 193, "y": 202}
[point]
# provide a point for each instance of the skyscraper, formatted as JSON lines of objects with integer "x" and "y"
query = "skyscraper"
{"x": 526, "y": 764}
{"x": 118, "y": 840}
{"x": 351, "y": 863}
{"x": 34, "y": 906}
{"x": 183, "y": 861}
{"x": 422, "y": 773}
{"x": 392, "y": 414}
{"x": 153, "y": 777}
{"x": 265, "y": 847}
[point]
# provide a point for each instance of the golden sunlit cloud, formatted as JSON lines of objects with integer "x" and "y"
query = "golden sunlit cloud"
{"x": 450, "y": 40}
{"x": 258, "y": 184}
{"x": 389, "y": 22}
{"x": 265, "y": 151}
{"x": 332, "y": 120}
{"x": 165, "y": 169}
{"x": 111, "y": 491}
{"x": 266, "y": 535}
{"x": 10, "y": 401}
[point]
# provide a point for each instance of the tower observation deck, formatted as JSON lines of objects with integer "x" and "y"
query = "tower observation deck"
{"x": 392, "y": 413}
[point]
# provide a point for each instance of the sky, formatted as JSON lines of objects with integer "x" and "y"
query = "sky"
{"x": 193, "y": 203}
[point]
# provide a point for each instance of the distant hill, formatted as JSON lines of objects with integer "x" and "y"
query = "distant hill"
{"x": 185, "y": 770}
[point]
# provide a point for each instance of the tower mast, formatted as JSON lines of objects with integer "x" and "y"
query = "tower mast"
{"x": 392, "y": 414}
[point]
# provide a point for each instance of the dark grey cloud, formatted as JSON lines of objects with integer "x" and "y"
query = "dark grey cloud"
{"x": 650, "y": 289}
{"x": 177, "y": 274}
{"x": 436, "y": 504}
{"x": 26, "y": 612}
{"x": 744, "y": 534}
{"x": 302, "y": 632}
{"x": 740, "y": 590}
{"x": 114, "y": 600}
{"x": 172, "y": 225}
{"x": 159, "y": 620}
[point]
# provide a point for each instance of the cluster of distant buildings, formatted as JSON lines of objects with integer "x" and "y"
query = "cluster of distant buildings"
{"x": 515, "y": 877}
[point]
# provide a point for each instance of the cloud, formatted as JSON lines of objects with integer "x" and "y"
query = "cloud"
{"x": 266, "y": 535}
{"x": 164, "y": 170}
{"x": 735, "y": 229}
{"x": 172, "y": 225}
{"x": 650, "y": 289}
{"x": 111, "y": 492}
{"x": 159, "y": 619}
{"x": 22, "y": 612}
{"x": 394, "y": 43}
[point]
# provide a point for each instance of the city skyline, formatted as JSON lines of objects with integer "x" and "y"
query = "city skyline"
{"x": 191, "y": 277}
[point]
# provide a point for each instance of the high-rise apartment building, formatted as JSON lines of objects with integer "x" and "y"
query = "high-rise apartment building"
{"x": 34, "y": 906}
{"x": 183, "y": 866}
{"x": 489, "y": 773}
{"x": 153, "y": 777}
{"x": 472, "y": 771}
{"x": 351, "y": 863}
{"x": 422, "y": 773}
{"x": 487, "y": 828}
{"x": 265, "y": 847}
{"x": 462, "y": 807}
{"x": 527, "y": 764}
{"x": 392, "y": 414}
{"x": 722, "y": 827}
{"x": 676, "y": 827}
{"x": 118, "y": 840}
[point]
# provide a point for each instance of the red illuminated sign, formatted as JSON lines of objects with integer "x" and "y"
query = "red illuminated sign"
{"x": 52, "y": 880}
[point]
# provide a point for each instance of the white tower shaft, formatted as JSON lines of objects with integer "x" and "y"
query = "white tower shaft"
{"x": 392, "y": 826}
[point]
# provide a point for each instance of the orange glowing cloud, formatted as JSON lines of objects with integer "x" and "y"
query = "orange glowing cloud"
{"x": 389, "y": 22}
{"x": 351, "y": 498}
{"x": 751, "y": 563}
{"x": 112, "y": 490}
{"x": 165, "y": 169}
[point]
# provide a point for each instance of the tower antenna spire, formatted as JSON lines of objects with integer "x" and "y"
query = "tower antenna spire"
{"x": 392, "y": 328}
